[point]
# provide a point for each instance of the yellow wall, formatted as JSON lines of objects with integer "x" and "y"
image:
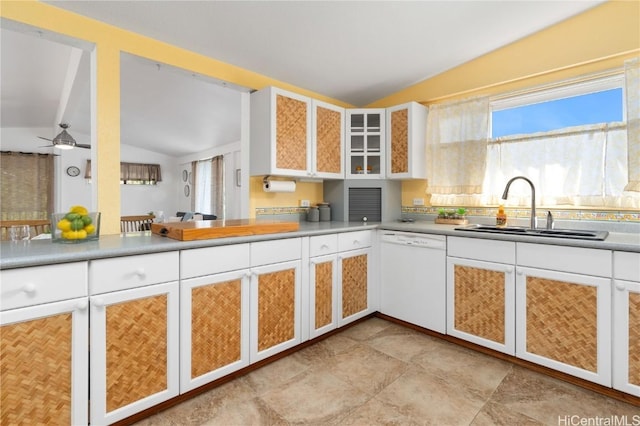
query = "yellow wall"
{"x": 304, "y": 191}
{"x": 109, "y": 42}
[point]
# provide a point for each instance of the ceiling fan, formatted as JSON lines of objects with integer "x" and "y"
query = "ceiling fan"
{"x": 64, "y": 140}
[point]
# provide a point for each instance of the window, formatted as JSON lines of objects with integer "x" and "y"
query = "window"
{"x": 209, "y": 186}
{"x": 570, "y": 140}
{"x": 26, "y": 185}
{"x": 134, "y": 173}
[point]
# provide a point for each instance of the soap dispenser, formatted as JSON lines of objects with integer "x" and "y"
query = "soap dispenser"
{"x": 501, "y": 217}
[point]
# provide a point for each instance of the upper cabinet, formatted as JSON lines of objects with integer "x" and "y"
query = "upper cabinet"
{"x": 365, "y": 143}
{"x": 406, "y": 139}
{"x": 292, "y": 135}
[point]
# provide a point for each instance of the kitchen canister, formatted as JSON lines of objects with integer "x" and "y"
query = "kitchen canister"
{"x": 325, "y": 212}
{"x": 313, "y": 215}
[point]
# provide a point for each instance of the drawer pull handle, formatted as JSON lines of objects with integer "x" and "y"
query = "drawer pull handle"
{"x": 620, "y": 287}
{"x": 324, "y": 247}
{"x": 29, "y": 288}
{"x": 82, "y": 305}
{"x": 141, "y": 273}
{"x": 356, "y": 242}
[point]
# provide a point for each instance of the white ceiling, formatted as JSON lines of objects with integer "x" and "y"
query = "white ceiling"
{"x": 353, "y": 51}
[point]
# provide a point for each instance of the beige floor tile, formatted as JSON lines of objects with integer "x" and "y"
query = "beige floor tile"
{"x": 431, "y": 400}
{"x": 366, "y": 368}
{"x": 493, "y": 414}
{"x": 244, "y": 412}
{"x": 480, "y": 373}
{"x": 275, "y": 374}
{"x": 376, "y": 412}
{"x": 401, "y": 342}
{"x": 366, "y": 329}
{"x": 548, "y": 400}
{"x": 315, "y": 397}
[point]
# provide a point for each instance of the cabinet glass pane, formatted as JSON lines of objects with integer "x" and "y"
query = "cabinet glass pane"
{"x": 357, "y": 122}
{"x": 357, "y": 165}
{"x": 373, "y": 143}
{"x": 373, "y": 165}
{"x": 357, "y": 143}
{"x": 373, "y": 122}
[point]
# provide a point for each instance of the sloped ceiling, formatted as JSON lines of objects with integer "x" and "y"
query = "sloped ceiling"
{"x": 356, "y": 52}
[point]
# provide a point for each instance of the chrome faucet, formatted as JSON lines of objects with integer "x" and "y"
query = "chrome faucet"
{"x": 505, "y": 194}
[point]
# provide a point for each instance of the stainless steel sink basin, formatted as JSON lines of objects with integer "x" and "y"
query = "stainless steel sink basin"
{"x": 557, "y": 233}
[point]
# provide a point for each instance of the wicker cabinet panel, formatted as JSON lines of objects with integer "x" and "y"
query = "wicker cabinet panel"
{"x": 134, "y": 350}
{"x": 328, "y": 140}
{"x": 399, "y": 141}
{"x": 291, "y": 133}
{"x": 406, "y": 134}
{"x": 564, "y": 322}
{"x": 275, "y": 309}
{"x": 479, "y": 302}
{"x": 324, "y": 277}
{"x": 561, "y": 322}
{"x": 626, "y": 336}
{"x": 354, "y": 285}
{"x": 216, "y": 324}
{"x": 44, "y": 367}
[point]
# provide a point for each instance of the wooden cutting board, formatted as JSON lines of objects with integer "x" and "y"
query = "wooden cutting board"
{"x": 208, "y": 229}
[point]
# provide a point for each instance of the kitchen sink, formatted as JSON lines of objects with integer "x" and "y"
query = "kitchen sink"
{"x": 575, "y": 234}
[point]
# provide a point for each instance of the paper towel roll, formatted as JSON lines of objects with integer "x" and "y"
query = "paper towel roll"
{"x": 279, "y": 186}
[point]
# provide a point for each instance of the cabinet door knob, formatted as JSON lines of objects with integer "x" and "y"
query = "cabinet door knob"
{"x": 97, "y": 301}
{"x": 29, "y": 288}
{"x": 82, "y": 305}
{"x": 620, "y": 286}
{"x": 520, "y": 272}
{"x": 247, "y": 274}
{"x": 509, "y": 269}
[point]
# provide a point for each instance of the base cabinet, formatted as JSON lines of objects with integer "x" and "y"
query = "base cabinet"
{"x": 45, "y": 365}
{"x": 323, "y": 284}
{"x": 563, "y": 308}
{"x": 626, "y": 322}
{"x": 214, "y": 327}
{"x": 355, "y": 292}
{"x": 481, "y": 292}
{"x": 134, "y": 350}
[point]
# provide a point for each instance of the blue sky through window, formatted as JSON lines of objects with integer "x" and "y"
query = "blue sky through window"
{"x": 591, "y": 108}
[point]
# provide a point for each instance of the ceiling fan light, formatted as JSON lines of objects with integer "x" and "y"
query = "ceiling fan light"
{"x": 64, "y": 141}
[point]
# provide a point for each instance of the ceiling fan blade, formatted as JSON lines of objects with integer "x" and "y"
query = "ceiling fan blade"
{"x": 81, "y": 145}
{"x": 50, "y": 140}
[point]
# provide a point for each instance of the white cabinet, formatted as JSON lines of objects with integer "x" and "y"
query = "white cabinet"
{"x": 365, "y": 143}
{"x": 323, "y": 284}
{"x": 293, "y": 135}
{"x": 134, "y": 334}
{"x": 406, "y": 141}
{"x": 44, "y": 327}
{"x": 481, "y": 292}
{"x": 275, "y": 297}
{"x": 214, "y": 313}
{"x": 355, "y": 289}
{"x": 626, "y": 322}
{"x": 563, "y": 305}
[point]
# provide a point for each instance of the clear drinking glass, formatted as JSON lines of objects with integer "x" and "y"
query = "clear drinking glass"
{"x": 20, "y": 233}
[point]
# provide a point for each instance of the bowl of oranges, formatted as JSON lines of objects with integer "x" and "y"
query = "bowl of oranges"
{"x": 75, "y": 226}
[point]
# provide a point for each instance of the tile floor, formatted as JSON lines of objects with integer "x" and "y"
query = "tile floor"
{"x": 380, "y": 373}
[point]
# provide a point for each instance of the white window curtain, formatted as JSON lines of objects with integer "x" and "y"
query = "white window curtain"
{"x": 457, "y": 136}
{"x": 209, "y": 186}
{"x": 632, "y": 85}
{"x": 580, "y": 166}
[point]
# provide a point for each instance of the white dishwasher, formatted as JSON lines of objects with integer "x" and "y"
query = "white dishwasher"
{"x": 413, "y": 280}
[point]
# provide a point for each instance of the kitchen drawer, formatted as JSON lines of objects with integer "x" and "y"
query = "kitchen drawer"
{"x": 354, "y": 240}
{"x": 323, "y": 244}
{"x": 626, "y": 266}
{"x": 42, "y": 284}
{"x": 481, "y": 249}
{"x": 275, "y": 251}
{"x": 213, "y": 260}
{"x": 122, "y": 273}
{"x": 578, "y": 260}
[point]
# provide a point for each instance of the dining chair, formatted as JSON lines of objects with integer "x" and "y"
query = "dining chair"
{"x": 136, "y": 223}
{"x": 36, "y": 226}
